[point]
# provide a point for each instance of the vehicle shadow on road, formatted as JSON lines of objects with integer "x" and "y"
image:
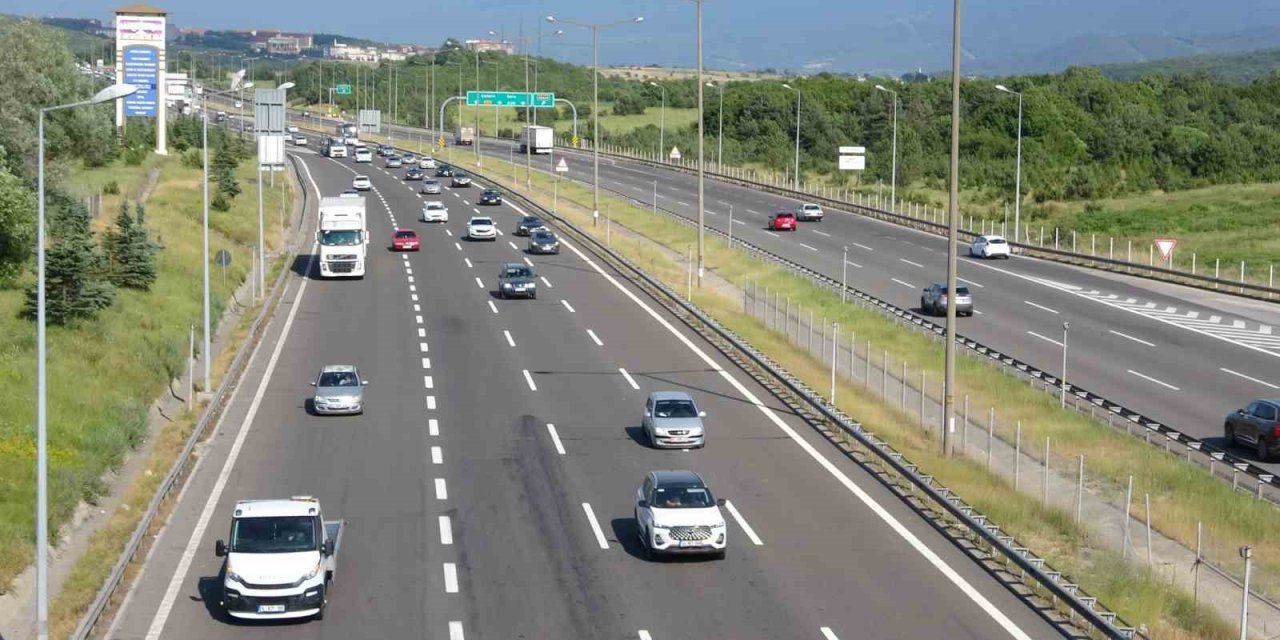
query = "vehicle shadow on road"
{"x": 304, "y": 266}
{"x": 626, "y": 532}
{"x": 637, "y": 435}
{"x": 210, "y": 588}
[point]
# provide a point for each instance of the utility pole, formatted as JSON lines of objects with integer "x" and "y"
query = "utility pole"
{"x": 953, "y": 212}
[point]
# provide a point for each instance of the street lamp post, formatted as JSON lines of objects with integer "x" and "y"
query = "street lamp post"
{"x": 662, "y": 121}
{"x": 113, "y": 92}
{"x": 797, "y": 178}
{"x": 720, "y": 133}
{"x": 204, "y": 143}
{"x": 1017, "y": 180}
{"x": 1063, "y": 397}
{"x": 953, "y": 209}
{"x": 595, "y": 103}
{"x": 893, "y": 179}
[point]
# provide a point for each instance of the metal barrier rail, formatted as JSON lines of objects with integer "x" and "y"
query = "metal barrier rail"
{"x": 1088, "y": 607}
{"x": 211, "y": 412}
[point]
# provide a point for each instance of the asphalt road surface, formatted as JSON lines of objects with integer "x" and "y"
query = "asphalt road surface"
{"x": 489, "y": 486}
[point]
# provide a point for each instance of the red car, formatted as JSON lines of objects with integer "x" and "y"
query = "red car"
{"x": 782, "y": 221}
{"x": 404, "y": 240}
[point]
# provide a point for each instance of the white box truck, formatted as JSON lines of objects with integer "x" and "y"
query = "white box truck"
{"x": 280, "y": 559}
{"x": 536, "y": 138}
{"x": 343, "y": 237}
{"x": 464, "y": 136}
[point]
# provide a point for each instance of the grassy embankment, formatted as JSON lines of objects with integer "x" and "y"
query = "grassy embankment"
{"x": 105, "y": 373}
{"x": 1181, "y": 494}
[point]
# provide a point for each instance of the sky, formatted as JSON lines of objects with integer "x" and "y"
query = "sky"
{"x": 800, "y": 35}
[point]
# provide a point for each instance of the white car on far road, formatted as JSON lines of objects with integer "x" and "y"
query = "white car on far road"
{"x": 481, "y": 228}
{"x": 427, "y": 163}
{"x": 809, "y": 212}
{"x": 989, "y": 247}
{"x": 361, "y": 183}
{"x": 435, "y": 211}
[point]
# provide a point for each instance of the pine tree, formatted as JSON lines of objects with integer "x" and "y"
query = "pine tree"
{"x": 224, "y": 172}
{"x": 115, "y": 242}
{"x": 137, "y": 270}
{"x": 73, "y": 290}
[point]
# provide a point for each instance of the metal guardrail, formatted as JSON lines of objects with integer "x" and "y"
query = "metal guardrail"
{"x": 211, "y": 412}
{"x": 979, "y": 526}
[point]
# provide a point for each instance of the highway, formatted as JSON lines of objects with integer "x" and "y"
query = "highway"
{"x": 489, "y": 486}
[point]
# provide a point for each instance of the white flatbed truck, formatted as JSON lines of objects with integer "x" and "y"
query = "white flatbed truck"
{"x": 281, "y": 559}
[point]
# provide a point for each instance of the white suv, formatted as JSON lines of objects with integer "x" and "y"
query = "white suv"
{"x": 989, "y": 247}
{"x": 676, "y": 513}
{"x": 363, "y": 155}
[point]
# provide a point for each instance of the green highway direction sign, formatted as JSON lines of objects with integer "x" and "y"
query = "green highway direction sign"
{"x": 342, "y": 89}
{"x": 510, "y": 99}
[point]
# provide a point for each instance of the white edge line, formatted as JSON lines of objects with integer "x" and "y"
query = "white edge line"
{"x": 1129, "y": 337}
{"x": 1249, "y": 378}
{"x": 742, "y": 522}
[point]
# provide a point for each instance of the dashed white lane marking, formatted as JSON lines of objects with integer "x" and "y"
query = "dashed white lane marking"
{"x": 595, "y": 526}
{"x": 555, "y": 438}
{"x": 459, "y": 246}
{"x": 682, "y": 203}
{"x": 595, "y": 338}
{"x": 431, "y": 403}
{"x": 1129, "y": 337}
{"x": 433, "y": 427}
{"x": 644, "y": 635}
{"x": 513, "y": 246}
{"x": 426, "y": 363}
{"x": 528, "y": 377}
{"x": 442, "y": 491}
{"x": 493, "y": 306}
{"x": 446, "y": 531}
{"x": 468, "y": 261}
{"x": 510, "y": 341}
{"x": 437, "y": 455}
{"x": 417, "y": 308}
{"x": 631, "y": 381}
{"x": 814, "y": 249}
{"x": 742, "y": 522}
{"x": 417, "y": 319}
{"x": 1249, "y": 378}
{"x": 739, "y": 222}
{"x": 1046, "y": 339}
{"x": 413, "y": 287}
{"x": 479, "y": 282}
{"x": 863, "y": 246}
{"x": 527, "y": 261}
{"x": 828, "y": 634}
{"x": 413, "y": 297}
{"x": 428, "y": 382}
{"x": 1040, "y": 307}
{"x": 1150, "y": 379}
{"x": 853, "y": 264}
{"x": 567, "y": 305}
{"x": 546, "y": 282}
{"x": 753, "y": 212}
{"x": 905, "y": 284}
{"x": 450, "y": 577}
{"x": 822, "y": 233}
{"x": 914, "y": 264}
{"x": 422, "y": 346}
{"x": 422, "y": 333}
{"x": 469, "y": 204}
{"x": 500, "y": 232}
{"x": 455, "y": 630}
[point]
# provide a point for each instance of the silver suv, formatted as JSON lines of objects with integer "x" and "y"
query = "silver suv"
{"x": 676, "y": 513}
{"x": 673, "y": 421}
{"x": 934, "y": 300}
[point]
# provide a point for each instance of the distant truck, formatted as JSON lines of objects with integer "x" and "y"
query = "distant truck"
{"x": 348, "y": 133}
{"x": 343, "y": 237}
{"x": 464, "y": 136}
{"x": 536, "y": 139}
{"x": 280, "y": 559}
{"x": 333, "y": 148}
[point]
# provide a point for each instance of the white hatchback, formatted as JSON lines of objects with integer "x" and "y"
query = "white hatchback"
{"x": 435, "y": 211}
{"x": 361, "y": 183}
{"x": 989, "y": 247}
{"x": 427, "y": 163}
{"x": 481, "y": 228}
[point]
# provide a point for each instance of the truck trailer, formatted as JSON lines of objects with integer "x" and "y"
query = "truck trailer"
{"x": 343, "y": 237}
{"x": 536, "y": 139}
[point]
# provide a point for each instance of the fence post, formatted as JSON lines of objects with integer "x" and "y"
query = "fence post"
{"x": 1147, "y": 497}
{"x": 923, "y": 383}
{"x": 1242, "y": 276}
{"x": 1193, "y": 263}
{"x": 765, "y": 316}
{"x": 1129, "y": 259}
{"x": 745, "y": 283}
{"x": 1128, "y": 504}
{"x": 1217, "y": 270}
{"x": 835, "y": 353}
{"x": 902, "y": 400}
{"x": 810, "y": 345}
{"x": 991, "y": 434}
{"x": 964, "y": 435}
{"x": 191, "y": 370}
{"x": 853, "y": 353}
{"x": 822, "y": 344}
{"x": 1044, "y": 495}
{"x": 1017, "y": 455}
{"x": 1079, "y": 488}
{"x": 1111, "y": 255}
{"x": 786, "y": 321}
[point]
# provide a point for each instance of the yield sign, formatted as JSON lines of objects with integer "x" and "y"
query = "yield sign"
{"x": 1165, "y": 246}
{"x": 675, "y": 153}
{"x": 562, "y": 166}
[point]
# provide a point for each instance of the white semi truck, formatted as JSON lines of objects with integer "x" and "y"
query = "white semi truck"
{"x": 536, "y": 139}
{"x": 280, "y": 559}
{"x": 343, "y": 237}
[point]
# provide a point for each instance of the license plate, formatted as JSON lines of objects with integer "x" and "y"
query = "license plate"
{"x": 270, "y": 608}
{"x": 689, "y": 543}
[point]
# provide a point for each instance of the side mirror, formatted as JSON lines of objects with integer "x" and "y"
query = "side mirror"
{"x": 220, "y": 548}
{"x": 643, "y": 504}
{"x": 327, "y": 548}
{"x": 702, "y": 414}
{"x": 720, "y": 502}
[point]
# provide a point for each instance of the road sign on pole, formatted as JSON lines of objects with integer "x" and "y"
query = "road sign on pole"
{"x": 852, "y": 158}
{"x": 511, "y": 99}
{"x": 342, "y": 90}
{"x": 562, "y": 166}
{"x": 675, "y": 153}
{"x": 440, "y": 141}
{"x": 574, "y": 141}
{"x": 1165, "y": 247}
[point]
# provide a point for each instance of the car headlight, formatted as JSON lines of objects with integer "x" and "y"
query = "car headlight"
{"x": 233, "y": 576}
{"x": 506, "y": 285}
{"x": 719, "y": 525}
{"x": 313, "y": 573}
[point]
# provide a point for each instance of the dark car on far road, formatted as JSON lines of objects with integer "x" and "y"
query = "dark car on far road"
{"x": 1258, "y": 425}
{"x": 491, "y": 196}
{"x": 413, "y": 173}
{"x": 528, "y": 225}
{"x": 543, "y": 241}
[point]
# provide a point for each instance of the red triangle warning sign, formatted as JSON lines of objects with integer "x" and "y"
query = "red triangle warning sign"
{"x": 1165, "y": 247}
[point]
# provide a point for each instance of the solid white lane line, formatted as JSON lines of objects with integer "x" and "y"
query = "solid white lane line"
{"x": 422, "y": 346}
{"x": 433, "y": 427}
{"x": 555, "y": 438}
{"x": 914, "y": 264}
{"x": 808, "y": 247}
{"x": 828, "y": 634}
{"x": 1045, "y": 338}
{"x": 426, "y": 363}
{"x": 631, "y": 381}
{"x": 822, "y": 233}
{"x": 1040, "y": 306}
{"x": 742, "y": 522}
{"x": 1129, "y": 337}
{"x": 513, "y": 246}
{"x": 442, "y": 491}
{"x": 493, "y": 306}
{"x": 431, "y": 403}
{"x": 446, "y": 531}
{"x": 437, "y": 455}
{"x": 905, "y": 284}
{"x": 862, "y": 246}
{"x": 529, "y": 378}
{"x": 595, "y": 338}
{"x": 428, "y": 382}
{"x": 468, "y": 261}
{"x": 455, "y": 630}
{"x": 1249, "y": 378}
{"x": 479, "y": 282}
{"x": 1150, "y": 379}
{"x": 595, "y": 526}
{"x": 567, "y": 305}
{"x": 450, "y": 577}
{"x": 510, "y": 341}
{"x": 211, "y": 504}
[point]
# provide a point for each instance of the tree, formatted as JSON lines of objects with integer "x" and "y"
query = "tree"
{"x": 130, "y": 251}
{"x": 17, "y": 224}
{"x": 224, "y": 171}
{"x": 73, "y": 289}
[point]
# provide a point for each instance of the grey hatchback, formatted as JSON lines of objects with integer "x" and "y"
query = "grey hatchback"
{"x": 672, "y": 420}
{"x": 339, "y": 390}
{"x": 515, "y": 279}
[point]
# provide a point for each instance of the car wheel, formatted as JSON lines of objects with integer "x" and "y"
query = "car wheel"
{"x": 924, "y": 308}
{"x": 1229, "y": 433}
{"x": 324, "y": 605}
{"x": 1261, "y": 448}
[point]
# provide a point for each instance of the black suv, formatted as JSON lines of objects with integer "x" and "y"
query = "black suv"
{"x": 1257, "y": 424}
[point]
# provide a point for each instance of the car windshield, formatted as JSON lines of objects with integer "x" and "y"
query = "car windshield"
{"x": 543, "y": 237}
{"x": 995, "y": 241}
{"x": 530, "y": 221}
{"x": 517, "y": 272}
{"x": 406, "y": 234}
{"x": 961, "y": 290}
{"x": 675, "y": 409}
{"x": 481, "y": 221}
{"x": 785, "y": 215}
{"x": 343, "y": 238}
{"x": 282, "y": 534}
{"x": 434, "y": 206}
{"x": 338, "y": 379}
{"x": 682, "y": 498}
{"x": 491, "y": 193}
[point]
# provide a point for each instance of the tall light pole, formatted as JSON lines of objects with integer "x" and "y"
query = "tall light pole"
{"x": 1017, "y": 180}
{"x": 797, "y": 179}
{"x": 1063, "y": 397}
{"x": 953, "y": 209}
{"x": 662, "y": 121}
{"x": 536, "y": 64}
{"x": 111, "y": 93}
{"x": 893, "y": 179}
{"x": 595, "y": 102}
{"x": 204, "y": 143}
{"x": 720, "y": 134}
{"x": 702, "y": 209}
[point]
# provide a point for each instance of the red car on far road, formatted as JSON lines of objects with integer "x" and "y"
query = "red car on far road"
{"x": 782, "y": 221}
{"x": 404, "y": 240}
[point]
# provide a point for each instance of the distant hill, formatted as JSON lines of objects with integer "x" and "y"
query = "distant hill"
{"x": 1229, "y": 67}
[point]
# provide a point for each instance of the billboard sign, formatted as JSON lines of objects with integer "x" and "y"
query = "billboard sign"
{"x": 139, "y": 28}
{"x": 142, "y": 70}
